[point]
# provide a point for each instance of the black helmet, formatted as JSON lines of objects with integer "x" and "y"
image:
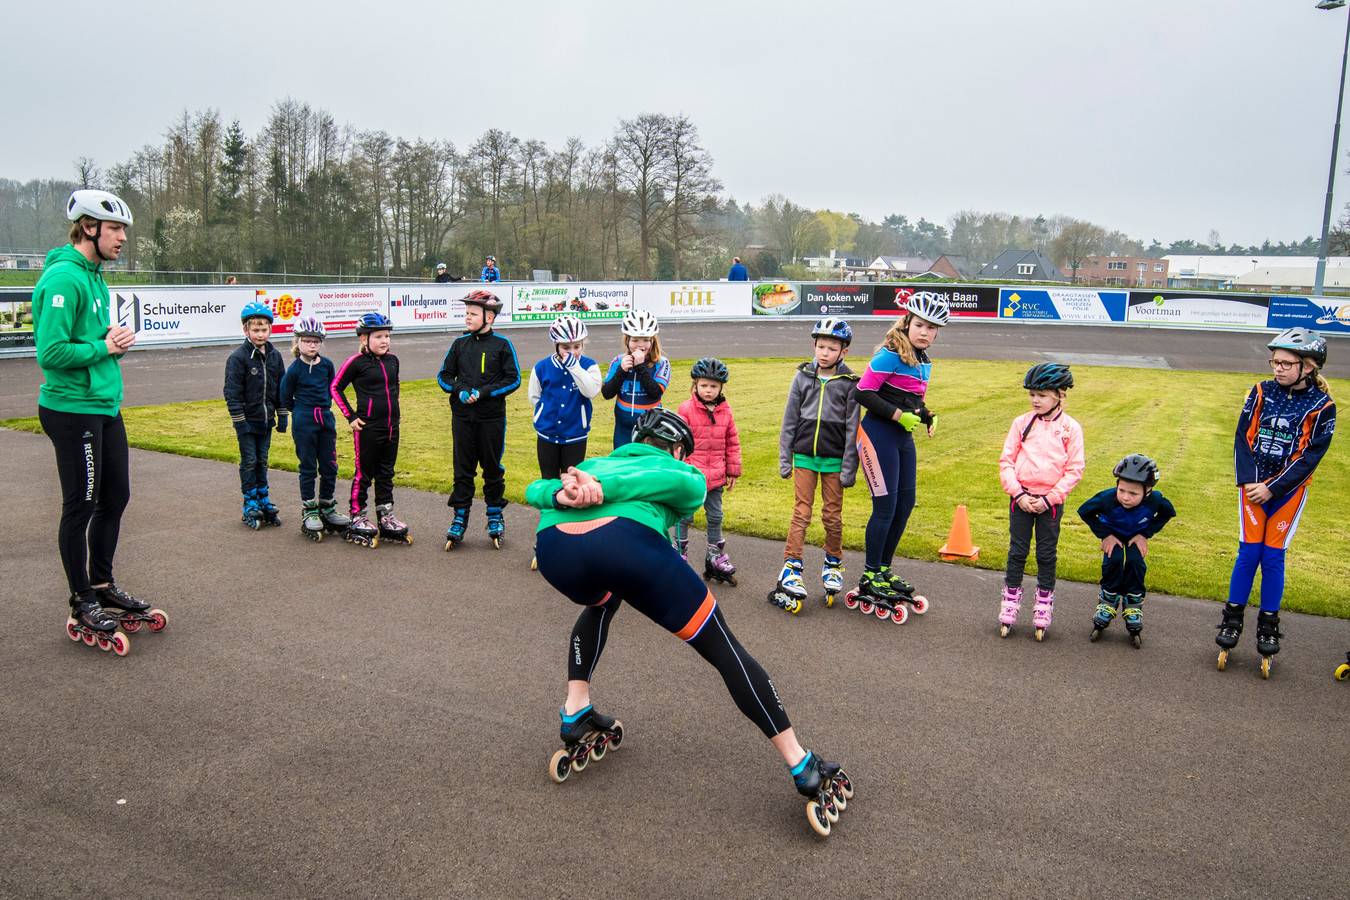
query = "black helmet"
{"x": 1137, "y": 467}
{"x": 1048, "y": 377}
{"x": 373, "y": 322}
{"x": 707, "y": 367}
{"x": 665, "y": 425}
{"x": 1302, "y": 342}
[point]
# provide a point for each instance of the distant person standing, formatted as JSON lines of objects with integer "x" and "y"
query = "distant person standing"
{"x": 443, "y": 276}
{"x": 79, "y": 407}
{"x": 737, "y": 272}
{"x": 490, "y": 272}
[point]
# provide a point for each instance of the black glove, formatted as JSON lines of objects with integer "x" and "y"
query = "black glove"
{"x": 282, "y": 421}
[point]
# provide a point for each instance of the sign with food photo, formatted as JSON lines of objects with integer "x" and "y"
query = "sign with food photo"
{"x": 774, "y": 299}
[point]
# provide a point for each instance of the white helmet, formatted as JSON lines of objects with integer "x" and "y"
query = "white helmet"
{"x": 99, "y": 205}
{"x": 930, "y": 307}
{"x": 566, "y": 329}
{"x": 639, "y": 323}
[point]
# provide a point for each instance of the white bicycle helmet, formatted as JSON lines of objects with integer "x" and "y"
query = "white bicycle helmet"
{"x": 640, "y": 323}
{"x": 99, "y": 205}
{"x": 309, "y": 327}
{"x": 566, "y": 329}
{"x": 930, "y": 307}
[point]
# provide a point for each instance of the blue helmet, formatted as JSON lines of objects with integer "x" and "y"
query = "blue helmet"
{"x": 708, "y": 367}
{"x": 373, "y": 322}
{"x": 830, "y": 327}
{"x": 256, "y": 310}
{"x": 1048, "y": 377}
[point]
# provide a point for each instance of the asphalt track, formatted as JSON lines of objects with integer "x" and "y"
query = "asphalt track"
{"x": 328, "y": 721}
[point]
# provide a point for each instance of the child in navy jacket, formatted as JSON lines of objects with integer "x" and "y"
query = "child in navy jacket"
{"x": 252, "y": 389}
{"x": 1125, "y": 517}
{"x": 305, "y": 395}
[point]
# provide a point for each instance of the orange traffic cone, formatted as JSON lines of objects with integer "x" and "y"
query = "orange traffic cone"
{"x": 958, "y": 544}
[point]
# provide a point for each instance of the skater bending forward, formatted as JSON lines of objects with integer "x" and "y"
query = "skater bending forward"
{"x": 602, "y": 541}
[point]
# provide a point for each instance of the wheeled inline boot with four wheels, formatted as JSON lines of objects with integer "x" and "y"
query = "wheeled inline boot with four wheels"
{"x": 334, "y": 522}
{"x": 791, "y": 590}
{"x": 587, "y": 736}
{"x": 874, "y": 594}
{"x": 129, "y": 612}
{"x": 1268, "y": 636}
{"x": 267, "y": 508}
{"x": 311, "y": 521}
{"x": 827, "y": 788}
{"x": 917, "y": 602}
{"x": 362, "y": 531}
{"x": 253, "y": 514}
{"x": 1107, "y": 607}
{"x": 1230, "y": 630}
{"x": 1008, "y": 609}
{"x": 454, "y": 535}
{"x": 1134, "y": 618}
{"x": 90, "y": 623}
{"x": 496, "y": 525}
{"x": 391, "y": 529}
{"x": 832, "y": 578}
{"x": 1040, "y": 614}
{"x": 717, "y": 565}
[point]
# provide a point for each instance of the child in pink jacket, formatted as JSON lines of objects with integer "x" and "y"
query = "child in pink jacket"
{"x": 717, "y": 454}
{"x": 1042, "y": 461}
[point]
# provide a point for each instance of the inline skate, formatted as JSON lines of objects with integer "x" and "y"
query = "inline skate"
{"x": 1007, "y": 613}
{"x": 90, "y": 623}
{"x": 267, "y": 507}
{"x": 791, "y": 590}
{"x": 311, "y": 522}
{"x": 832, "y": 578}
{"x": 1268, "y": 636}
{"x": 1134, "y": 618}
{"x": 334, "y": 522}
{"x": 496, "y": 526}
{"x": 391, "y": 529}
{"x": 1040, "y": 613}
{"x": 587, "y": 737}
{"x": 454, "y": 535}
{"x": 253, "y": 514}
{"x": 1343, "y": 670}
{"x": 1230, "y": 630}
{"x": 828, "y": 788}
{"x": 1106, "y": 611}
{"x": 906, "y": 592}
{"x": 874, "y": 593}
{"x": 129, "y": 612}
{"x": 682, "y": 547}
{"x": 361, "y": 531}
{"x": 717, "y": 566}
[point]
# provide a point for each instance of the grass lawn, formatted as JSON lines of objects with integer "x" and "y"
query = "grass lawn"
{"x": 1184, "y": 420}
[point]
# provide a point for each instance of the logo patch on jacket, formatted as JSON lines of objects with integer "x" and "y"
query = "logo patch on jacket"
{"x": 58, "y": 300}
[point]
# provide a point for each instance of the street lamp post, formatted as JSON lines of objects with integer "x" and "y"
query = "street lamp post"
{"x": 1335, "y": 145}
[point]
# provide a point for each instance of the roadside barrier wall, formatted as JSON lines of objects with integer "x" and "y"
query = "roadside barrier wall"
{"x": 177, "y": 316}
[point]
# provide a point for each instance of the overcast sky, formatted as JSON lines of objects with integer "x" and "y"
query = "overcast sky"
{"x": 1162, "y": 119}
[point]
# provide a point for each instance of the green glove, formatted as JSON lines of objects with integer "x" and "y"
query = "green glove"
{"x": 909, "y": 421}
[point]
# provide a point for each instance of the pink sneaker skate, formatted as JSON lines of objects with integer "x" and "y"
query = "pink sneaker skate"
{"x": 1007, "y": 614}
{"x": 1040, "y": 616}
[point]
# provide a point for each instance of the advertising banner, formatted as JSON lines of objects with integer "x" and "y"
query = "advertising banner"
{"x": 1327, "y": 314}
{"x": 1173, "y": 308}
{"x": 776, "y": 299}
{"x": 836, "y": 299}
{"x": 706, "y": 300}
{"x": 1065, "y": 304}
{"x": 177, "y": 314}
{"x": 964, "y": 301}
{"x": 434, "y": 305}
{"x": 337, "y": 306}
{"x": 542, "y": 303}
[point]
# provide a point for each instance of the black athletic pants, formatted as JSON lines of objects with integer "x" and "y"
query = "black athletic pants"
{"x": 478, "y": 443}
{"x": 93, "y": 465}
{"x": 555, "y": 459}
{"x": 376, "y": 455}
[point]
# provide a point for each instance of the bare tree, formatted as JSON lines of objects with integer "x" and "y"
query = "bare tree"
{"x": 642, "y": 147}
{"x": 794, "y": 228}
{"x": 693, "y": 189}
{"x": 1076, "y": 242}
{"x": 86, "y": 173}
{"x": 494, "y": 158}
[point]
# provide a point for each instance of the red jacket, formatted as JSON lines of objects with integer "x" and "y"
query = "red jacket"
{"x": 717, "y": 446}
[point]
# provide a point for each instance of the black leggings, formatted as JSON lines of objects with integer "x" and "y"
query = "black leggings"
{"x": 93, "y": 465}
{"x": 624, "y": 560}
{"x": 555, "y": 459}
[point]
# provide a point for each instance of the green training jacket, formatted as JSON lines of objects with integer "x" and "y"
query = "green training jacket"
{"x": 72, "y": 314}
{"x": 640, "y": 482}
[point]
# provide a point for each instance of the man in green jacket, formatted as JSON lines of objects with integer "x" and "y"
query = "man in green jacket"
{"x": 602, "y": 541}
{"x": 79, "y": 350}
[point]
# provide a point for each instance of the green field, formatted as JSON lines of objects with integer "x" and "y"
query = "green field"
{"x": 1184, "y": 420}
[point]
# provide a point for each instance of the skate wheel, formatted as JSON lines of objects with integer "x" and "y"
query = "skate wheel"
{"x": 901, "y": 615}
{"x": 120, "y": 644}
{"x": 598, "y": 751}
{"x": 407, "y": 538}
{"x": 497, "y": 543}
{"x": 1040, "y": 634}
{"x": 829, "y": 806}
{"x": 73, "y": 631}
{"x": 1265, "y": 667}
{"x": 844, "y": 785}
{"x": 90, "y": 638}
{"x": 1223, "y": 658}
{"x": 920, "y": 604}
{"x": 819, "y": 821}
{"x": 559, "y": 767}
{"x": 1003, "y": 630}
{"x": 731, "y": 580}
{"x": 851, "y": 600}
{"x": 840, "y": 801}
{"x": 1137, "y": 641}
{"x": 449, "y": 545}
{"x": 103, "y": 642}
{"x": 882, "y": 613}
{"x": 580, "y": 761}
{"x": 795, "y": 607}
{"x": 158, "y": 619}
{"x": 866, "y": 607}
{"x": 534, "y": 563}
{"x": 1096, "y": 633}
{"x": 1343, "y": 672}
{"x": 617, "y": 737}
{"x": 131, "y": 626}
{"x": 829, "y": 601}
